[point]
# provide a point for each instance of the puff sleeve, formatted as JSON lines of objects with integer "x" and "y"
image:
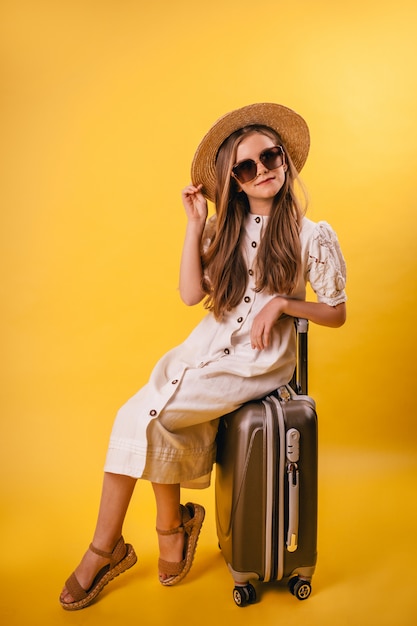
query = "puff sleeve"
{"x": 326, "y": 268}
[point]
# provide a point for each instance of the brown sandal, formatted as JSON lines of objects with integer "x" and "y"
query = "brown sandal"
{"x": 192, "y": 520}
{"x": 122, "y": 557}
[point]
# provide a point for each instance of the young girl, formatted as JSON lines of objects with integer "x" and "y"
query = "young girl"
{"x": 250, "y": 262}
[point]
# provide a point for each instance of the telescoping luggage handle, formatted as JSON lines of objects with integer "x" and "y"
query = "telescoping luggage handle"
{"x": 299, "y": 380}
{"x": 292, "y": 441}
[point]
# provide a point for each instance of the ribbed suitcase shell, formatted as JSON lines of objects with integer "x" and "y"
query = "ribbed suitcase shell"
{"x": 252, "y": 489}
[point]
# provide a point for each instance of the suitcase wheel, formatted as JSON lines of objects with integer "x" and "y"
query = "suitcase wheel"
{"x": 244, "y": 595}
{"x": 300, "y": 588}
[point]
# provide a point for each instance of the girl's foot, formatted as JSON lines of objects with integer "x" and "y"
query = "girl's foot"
{"x": 171, "y": 550}
{"x": 86, "y": 571}
{"x": 96, "y": 569}
{"x": 178, "y": 545}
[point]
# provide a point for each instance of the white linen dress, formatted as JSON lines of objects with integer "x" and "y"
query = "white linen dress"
{"x": 166, "y": 432}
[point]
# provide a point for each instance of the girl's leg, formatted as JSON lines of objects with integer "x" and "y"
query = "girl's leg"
{"x": 168, "y": 516}
{"x": 116, "y": 494}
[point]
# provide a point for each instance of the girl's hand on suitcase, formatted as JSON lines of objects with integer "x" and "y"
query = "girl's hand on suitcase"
{"x": 263, "y": 323}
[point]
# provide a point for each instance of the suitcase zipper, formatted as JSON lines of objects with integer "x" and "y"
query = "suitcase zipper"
{"x": 289, "y": 455}
{"x": 270, "y": 454}
{"x": 274, "y": 545}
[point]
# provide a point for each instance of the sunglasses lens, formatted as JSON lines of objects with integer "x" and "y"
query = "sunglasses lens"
{"x": 245, "y": 170}
{"x": 271, "y": 158}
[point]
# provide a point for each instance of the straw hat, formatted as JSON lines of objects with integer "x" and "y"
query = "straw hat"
{"x": 287, "y": 123}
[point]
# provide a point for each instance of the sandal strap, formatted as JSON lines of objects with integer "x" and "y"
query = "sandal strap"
{"x": 186, "y": 518}
{"x": 117, "y": 554}
{"x": 75, "y": 589}
{"x": 172, "y": 531}
{"x": 105, "y": 555}
{"x": 171, "y": 568}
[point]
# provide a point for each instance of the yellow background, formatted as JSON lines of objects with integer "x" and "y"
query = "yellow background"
{"x": 102, "y": 105}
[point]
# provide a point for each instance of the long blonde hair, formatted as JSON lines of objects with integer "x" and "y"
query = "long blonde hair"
{"x": 278, "y": 259}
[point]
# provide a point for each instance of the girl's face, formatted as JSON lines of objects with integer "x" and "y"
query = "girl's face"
{"x": 267, "y": 183}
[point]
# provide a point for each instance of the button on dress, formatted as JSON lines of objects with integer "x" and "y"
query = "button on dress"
{"x": 166, "y": 432}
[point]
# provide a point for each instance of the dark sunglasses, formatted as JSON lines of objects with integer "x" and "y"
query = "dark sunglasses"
{"x": 247, "y": 170}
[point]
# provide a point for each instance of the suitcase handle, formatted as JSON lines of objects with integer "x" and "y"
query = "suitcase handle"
{"x": 293, "y": 506}
{"x": 299, "y": 381}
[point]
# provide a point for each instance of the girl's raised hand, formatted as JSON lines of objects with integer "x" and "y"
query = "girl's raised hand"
{"x": 194, "y": 203}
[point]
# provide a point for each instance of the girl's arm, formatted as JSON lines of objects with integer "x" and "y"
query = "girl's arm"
{"x": 191, "y": 271}
{"x": 317, "y": 312}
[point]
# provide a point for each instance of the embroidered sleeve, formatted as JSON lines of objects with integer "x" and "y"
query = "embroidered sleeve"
{"x": 326, "y": 268}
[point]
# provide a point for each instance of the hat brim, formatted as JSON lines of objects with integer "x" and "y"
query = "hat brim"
{"x": 287, "y": 123}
